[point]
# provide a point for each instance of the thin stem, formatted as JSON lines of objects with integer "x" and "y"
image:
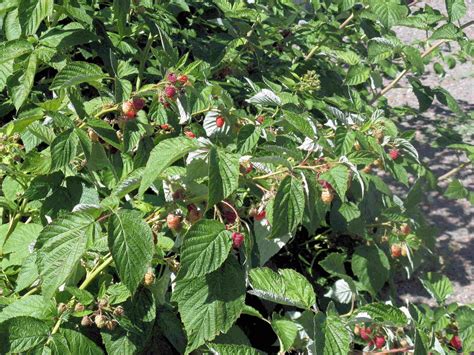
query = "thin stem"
{"x": 453, "y": 171}
{"x": 30, "y": 292}
{"x": 96, "y": 272}
{"x": 143, "y": 59}
{"x": 269, "y": 174}
{"x": 346, "y": 22}
{"x": 13, "y": 224}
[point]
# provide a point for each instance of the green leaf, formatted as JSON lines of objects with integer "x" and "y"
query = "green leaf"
{"x": 338, "y": 178}
{"x": 437, "y": 285}
{"x": 357, "y": 74}
{"x": 300, "y": 121}
{"x": 76, "y": 73}
{"x": 456, "y": 190}
{"x": 384, "y": 314}
{"x": 21, "y": 334}
{"x": 162, "y": 156}
{"x": 32, "y": 306}
{"x": 205, "y": 248}
{"x": 62, "y": 244}
{"x": 333, "y": 263}
{"x": 63, "y": 149}
{"x": 131, "y": 245}
{"x": 21, "y": 91}
{"x": 223, "y": 175}
{"x": 288, "y": 207}
{"x": 456, "y": 9}
{"x": 78, "y": 343}
{"x": 380, "y": 48}
{"x": 447, "y": 31}
{"x": 286, "y": 330}
{"x": 424, "y": 94}
{"x": 210, "y": 304}
{"x": 14, "y": 49}
{"x": 248, "y": 138}
{"x": 330, "y": 335}
{"x": 32, "y": 13}
{"x": 83, "y": 296}
{"x": 345, "y": 139}
{"x": 371, "y": 266}
{"x": 285, "y": 287}
{"x": 232, "y": 349}
{"x": 465, "y": 321}
{"x": 17, "y": 247}
{"x": 388, "y": 12}
{"x": 342, "y": 291}
{"x": 121, "y": 9}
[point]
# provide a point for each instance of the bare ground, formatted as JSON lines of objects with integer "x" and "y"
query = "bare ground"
{"x": 453, "y": 219}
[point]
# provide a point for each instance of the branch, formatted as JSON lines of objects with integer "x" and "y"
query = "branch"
{"x": 453, "y": 171}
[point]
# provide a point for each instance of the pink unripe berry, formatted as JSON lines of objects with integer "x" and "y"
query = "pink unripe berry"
{"x": 237, "y": 240}
{"x": 170, "y": 92}
{"x": 394, "y": 153}
{"x": 220, "y": 121}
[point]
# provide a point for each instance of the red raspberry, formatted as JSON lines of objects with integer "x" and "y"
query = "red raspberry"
{"x": 190, "y": 134}
{"x": 456, "y": 342}
{"x": 379, "y": 341}
{"x": 183, "y": 79}
{"x": 261, "y": 215}
{"x": 220, "y": 121}
{"x": 396, "y": 250}
{"x": 365, "y": 333}
{"x": 170, "y": 92}
{"x": 128, "y": 109}
{"x": 405, "y": 229}
{"x": 138, "y": 103}
{"x": 237, "y": 240}
{"x": 165, "y": 126}
{"x": 394, "y": 154}
{"x": 260, "y": 119}
{"x": 174, "y": 222}
{"x": 325, "y": 184}
{"x": 172, "y": 78}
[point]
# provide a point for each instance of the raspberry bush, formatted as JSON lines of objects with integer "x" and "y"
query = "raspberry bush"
{"x": 215, "y": 177}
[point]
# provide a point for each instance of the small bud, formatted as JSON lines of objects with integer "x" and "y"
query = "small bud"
{"x": 79, "y": 307}
{"x": 356, "y": 329}
{"x": 174, "y": 222}
{"x": 111, "y": 324}
{"x": 405, "y": 229}
{"x": 357, "y": 146}
{"x": 86, "y": 321}
{"x": 183, "y": 79}
{"x": 100, "y": 321}
{"x": 172, "y": 78}
{"x": 327, "y": 195}
{"x": 103, "y": 303}
{"x": 92, "y": 135}
{"x": 260, "y": 119}
{"x": 62, "y": 307}
{"x": 119, "y": 311}
{"x": 190, "y": 134}
{"x": 149, "y": 278}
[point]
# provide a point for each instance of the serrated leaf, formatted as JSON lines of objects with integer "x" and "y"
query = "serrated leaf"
{"x": 162, "y": 156}
{"x": 248, "y": 138}
{"x": 437, "y": 285}
{"x": 286, "y": 330}
{"x": 285, "y": 287}
{"x": 341, "y": 291}
{"x": 357, "y": 74}
{"x": 62, "y": 244}
{"x": 121, "y": 9}
{"x": 231, "y": 349}
{"x": 338, "y": 178}
{"x": 63, "y": 149}
{"x": 265, "y": 97}
{"x": 21, "y": 91}
{"x": 447, "y": 31}
{"x": 131, "y": 244}
{"x": 21, "y": 334}
{"x": 380, "y": 48}
{"x": 79, "y": 343}
{"x": 424, "y": 94}
{"x": 14, "y": 49}
{"x": 389, "y": 12}
{"x": 456, "y": 190}
{"x": 210, "y": 304}
{"x": 76, "y": 73}
{"x": 300, "y": 122}
{"x": 288, "y": 207}
{"x": 32, "y": 306}
{"x": 83, "y": 296}
{"x": 32, "y": 13}
{"x": 205, "y": 248}
{"x": 384, "y": 313}
{"x": 345, "y": 139}
{"x": 330, "y": 335}
{"x": 223, "y": 175}
{"x": 456, "y": 9}
{"x": 333, "y": 263}
{"x": 371, "y": 266}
